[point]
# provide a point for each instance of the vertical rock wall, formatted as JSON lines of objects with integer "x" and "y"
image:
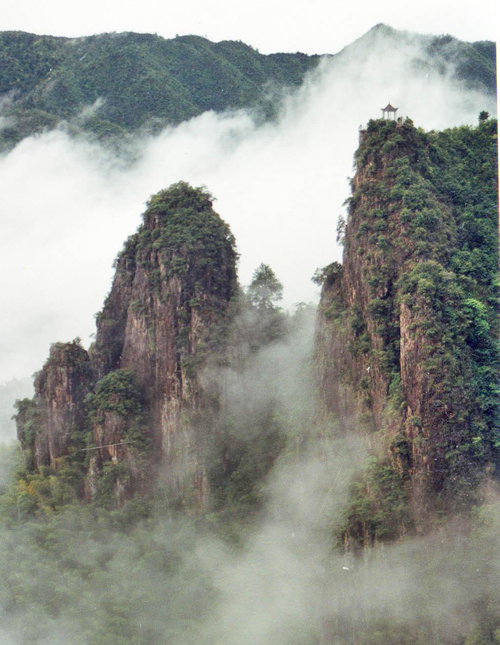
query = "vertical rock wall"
{"x": 394, "y": 357}
{"x": 46, "y": 427}
{"x": 161, "y": 323}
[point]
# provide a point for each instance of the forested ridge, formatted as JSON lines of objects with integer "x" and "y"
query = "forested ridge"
{"x": 138, "y": 80}
{"x": 110, "y": 85}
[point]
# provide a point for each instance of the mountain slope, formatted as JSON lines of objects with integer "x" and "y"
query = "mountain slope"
{"x": 141, "y": 79}
{"x": 136, "y": 81}
{"x": 408, "y": 338}
{"x": 471, "y": 64}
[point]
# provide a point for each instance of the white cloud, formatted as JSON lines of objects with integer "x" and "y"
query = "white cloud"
{"x": 68, "y": 206}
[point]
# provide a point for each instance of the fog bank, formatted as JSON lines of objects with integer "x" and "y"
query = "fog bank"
{"x": 68, "y": 205}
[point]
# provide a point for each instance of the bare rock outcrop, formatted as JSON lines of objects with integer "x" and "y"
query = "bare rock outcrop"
{"x": 138, "y": 396}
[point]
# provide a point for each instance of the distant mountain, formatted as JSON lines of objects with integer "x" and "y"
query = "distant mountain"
{"x": 471, "y": 64}
{"x": 138, "y": 80}
{"x": 112, "y": 84}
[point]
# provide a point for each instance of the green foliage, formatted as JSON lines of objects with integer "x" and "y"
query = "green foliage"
{"x": 110, "y": 475}
{"x": 144, "y": 80}
{"x": 262, "y": 322}
{"x": 116, "y": 392}
{"x": 193, "y": 240}
{"x": 458, "y": 330}
{"x": 252, "y": 442}
{"x": 361, "y": 342}
{"x": 265, "y": 288}
{"x": 477, "y": 321}
{"x": 379, "y": 508}
{"x": 96, "y": 577}
{"x": 70, "y": 355}
{"x": 40, "y": 494}
{"x": 423, "y": 225}
{"x": 341, "y": 228}
{"x": 328, "y": 275}
{"x": 465, "y": 172}
{"x": 431, "y": 284}
{"x": 28, "y": 418}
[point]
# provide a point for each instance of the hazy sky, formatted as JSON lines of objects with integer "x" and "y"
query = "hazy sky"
{"x": 316, "y": 26}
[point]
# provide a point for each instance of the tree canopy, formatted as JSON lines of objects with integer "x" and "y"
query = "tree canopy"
{"x": 265, "y": 288}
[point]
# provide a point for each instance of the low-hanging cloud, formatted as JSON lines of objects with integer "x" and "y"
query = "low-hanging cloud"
{"x": 69, "y": 204}
{"x": 81, "y": 579}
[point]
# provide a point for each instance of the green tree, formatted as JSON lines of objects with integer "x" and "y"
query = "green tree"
{"x": 265, "y": 289}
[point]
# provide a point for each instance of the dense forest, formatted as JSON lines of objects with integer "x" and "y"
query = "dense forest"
{"x": 111, "y": 85}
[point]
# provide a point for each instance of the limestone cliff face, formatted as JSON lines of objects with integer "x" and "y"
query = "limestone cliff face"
{"x": 169, "y": 301}
{"x": 394, "y": 349}
{"x": 142, "y": 401}
{"x": 47, "y": 424}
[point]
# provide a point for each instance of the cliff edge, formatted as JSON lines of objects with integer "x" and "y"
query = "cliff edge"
{"x": 136, "y": 405}
{"x": 407, "y": 332}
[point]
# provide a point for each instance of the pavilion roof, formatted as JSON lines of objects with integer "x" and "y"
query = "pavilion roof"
{"x": 389, "y": 108}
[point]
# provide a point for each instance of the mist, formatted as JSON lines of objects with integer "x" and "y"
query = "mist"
{"x": 88, "y": 578}
{"x": 69, "y": 204}
{"x": 278, "y": 576}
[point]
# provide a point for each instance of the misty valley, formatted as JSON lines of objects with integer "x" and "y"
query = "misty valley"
{"x": 220, "y": 464}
